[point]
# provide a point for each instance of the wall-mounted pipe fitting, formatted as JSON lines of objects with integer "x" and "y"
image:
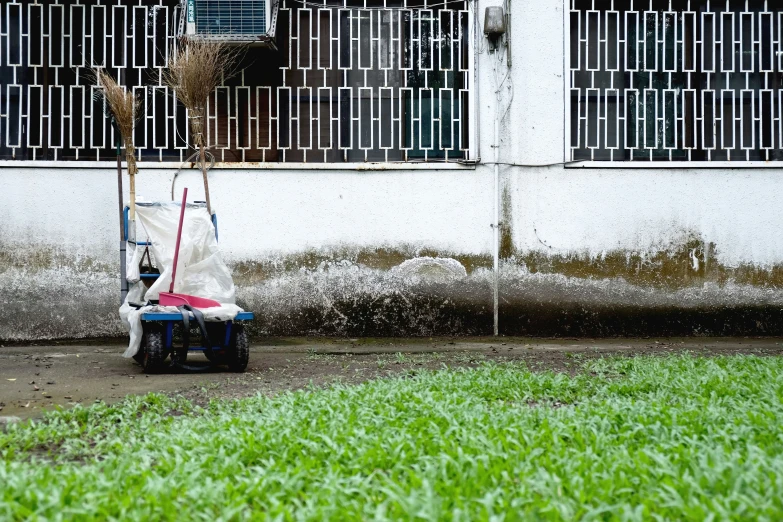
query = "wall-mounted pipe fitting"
{"x": 494, "y": 24}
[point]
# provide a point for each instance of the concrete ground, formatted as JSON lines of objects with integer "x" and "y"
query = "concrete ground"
{"x": 38, "y": 378}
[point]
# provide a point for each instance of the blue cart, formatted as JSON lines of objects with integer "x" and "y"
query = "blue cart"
{"x": 227, "y": 340}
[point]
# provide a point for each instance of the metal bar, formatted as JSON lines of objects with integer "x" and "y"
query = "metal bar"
{"x": 698, "y": 81}
{"x": 360, "y": 84}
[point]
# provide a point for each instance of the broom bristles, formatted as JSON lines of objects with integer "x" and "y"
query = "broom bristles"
{"x": 123, "y": 105}
{"x": 125, "y": 109}
{"x": 198, "y": 68}
{"x": 195, "y": 71}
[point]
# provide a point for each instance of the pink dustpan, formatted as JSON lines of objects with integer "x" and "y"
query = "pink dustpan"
{"x": 170, "y": 298}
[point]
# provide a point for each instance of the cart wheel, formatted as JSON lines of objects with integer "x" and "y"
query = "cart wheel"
{"x": 179, "y": 356}
{"x": 239, "y": 351}
{"x": 154, "y": 354}
{"x": 215, "y": 358}
{"x": 139, "y": 357}
{"x": 217, "y": 334}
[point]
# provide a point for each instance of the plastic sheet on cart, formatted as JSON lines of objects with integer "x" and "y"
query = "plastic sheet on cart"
{"x": 200, "y": 268}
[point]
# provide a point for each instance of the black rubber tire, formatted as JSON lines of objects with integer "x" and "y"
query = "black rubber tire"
{"x": 217, "y": 334}
{"x": 239, "y": 352}
{"x": 154, "y": 354}
{"x": 215, "y": 358}
{"x": 139, "y": 357}
{"x": 179, "y": 356}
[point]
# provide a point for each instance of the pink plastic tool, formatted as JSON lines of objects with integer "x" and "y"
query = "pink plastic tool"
{"x": 170, "y": 298}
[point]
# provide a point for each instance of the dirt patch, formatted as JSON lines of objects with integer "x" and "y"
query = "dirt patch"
{"x": 37, "y": 378}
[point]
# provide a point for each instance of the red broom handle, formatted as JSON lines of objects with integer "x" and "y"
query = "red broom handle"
{"x": 179, "y": 236}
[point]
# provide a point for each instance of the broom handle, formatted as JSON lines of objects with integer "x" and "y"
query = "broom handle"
{"x": 203, "y": 159}
{"x": 123, "y": 246}
{"x": 179, "y": 236}
{"x": 119, "y": 184}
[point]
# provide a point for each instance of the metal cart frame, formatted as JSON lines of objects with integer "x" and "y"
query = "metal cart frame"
{"x": 228, "y": 342}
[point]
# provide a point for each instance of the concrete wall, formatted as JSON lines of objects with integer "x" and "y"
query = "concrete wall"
{"x": 584, "y": 251}
{"x": 298, "y": 241}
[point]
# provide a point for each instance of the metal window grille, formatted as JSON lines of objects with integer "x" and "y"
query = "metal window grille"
{"x": 386, "y": 81}
{"x": 675, "y": 80}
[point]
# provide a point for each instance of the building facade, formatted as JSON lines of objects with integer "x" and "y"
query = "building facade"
{"x": 606, "y": 167}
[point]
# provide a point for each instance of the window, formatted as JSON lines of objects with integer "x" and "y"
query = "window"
{"x": 675, "y": 80}
{"x": 375, "y": 84}
{"x": 349, "y": 81}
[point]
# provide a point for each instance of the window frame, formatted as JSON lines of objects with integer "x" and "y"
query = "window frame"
{"x": 570, "y": 163}
{"x": 159, "y": 158}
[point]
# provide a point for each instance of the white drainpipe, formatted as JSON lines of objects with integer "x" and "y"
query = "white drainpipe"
{"x": 496, "y": 228}
{"x": 496, "y": 225}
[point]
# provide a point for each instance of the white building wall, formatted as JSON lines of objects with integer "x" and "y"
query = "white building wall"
{"x": 261, "y": 212}
{"x": 594, "y": 211}
{"x": 312, "y": 248}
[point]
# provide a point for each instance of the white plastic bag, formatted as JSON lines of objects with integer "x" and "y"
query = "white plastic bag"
{"x": 132, "y": 262}
{"x": 201, "y": 271}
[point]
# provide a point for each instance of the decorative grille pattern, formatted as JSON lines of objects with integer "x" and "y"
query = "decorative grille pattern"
{"x": 676, "y": 80}
{"x": 370, "y": 80}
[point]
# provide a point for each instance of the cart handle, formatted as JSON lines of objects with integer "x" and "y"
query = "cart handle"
{"x": 126, "y": 210}
{"x": 179, "y": 237}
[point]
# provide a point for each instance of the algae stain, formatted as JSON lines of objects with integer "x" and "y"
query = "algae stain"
{"x": 37, "y": 259}
{"x": 506, "y": 217}
{"x": 381, "y": 258}
{"x": 682, "y": 263}
{"x": 686, "y": 261}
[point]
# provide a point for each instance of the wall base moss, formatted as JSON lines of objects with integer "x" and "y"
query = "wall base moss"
{"x": 358, "y": 293}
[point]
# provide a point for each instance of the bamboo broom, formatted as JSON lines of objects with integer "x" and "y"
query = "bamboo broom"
{"x": 193, "y": 74}
{"x": 124, "y": 108}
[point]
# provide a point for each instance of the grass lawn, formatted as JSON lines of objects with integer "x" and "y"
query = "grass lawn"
{"x": 626, "y": 438}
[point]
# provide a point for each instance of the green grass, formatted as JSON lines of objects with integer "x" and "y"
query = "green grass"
{"x": 671, "y": 438}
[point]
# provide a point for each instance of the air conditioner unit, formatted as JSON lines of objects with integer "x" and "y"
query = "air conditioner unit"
{"x": 234, "y": 21}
